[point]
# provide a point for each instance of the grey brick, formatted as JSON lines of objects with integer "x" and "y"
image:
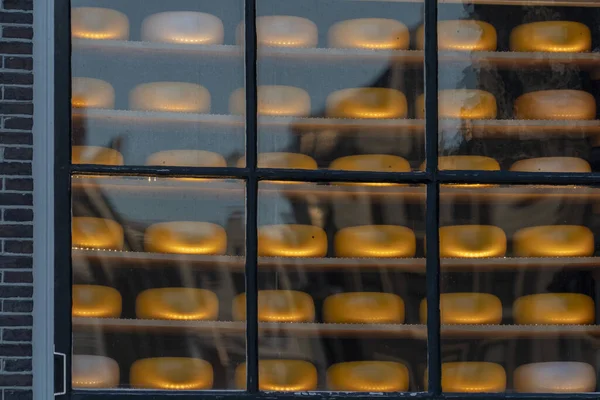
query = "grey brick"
{"x": 15, "y": 168}
{"x": 16, "y": 380}
{"x": 18, "y": 214}
{"x": 17, "y": 32}
{"x": 22, "y": 123}
{"x": 16, "y": 17}
{"x": 17, "y": 365}
{"x": 14, "y": 199}
{"x": 16, "y": 335}
{"x": 18, "y": 246}
{"x": 18, "y": 92}
{"x": 18, "y": 306}
{"x": 18, "y": 277}
{"x": 7, "y": 291}
{"x": 17, "y": 137}
{"x": 16, "y": 108}
{"x": 15, "y": 350}
{"x": 18, "y": 5}
{"x": 16, "y": 394}
{"x": 18, "y": 153}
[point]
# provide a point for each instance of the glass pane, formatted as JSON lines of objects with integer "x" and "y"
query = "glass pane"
{"x": 517, "y": 87}
{"x": 151, "y": 82}
{"x": 519, "y": 289}
{"x": 337, "y": 83}
{"x": 156, "y": 265}
{"x": 341, "y": 277}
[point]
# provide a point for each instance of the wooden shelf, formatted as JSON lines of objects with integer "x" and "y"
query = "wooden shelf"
{"x": 130, "y": 259}
{"x": 414, "y": 58}
{"x": 367, "y": 331}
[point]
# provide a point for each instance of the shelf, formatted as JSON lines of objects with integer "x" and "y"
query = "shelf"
{"x": 326, "y": 55}
{"x": 128, "y": 120}
{"x": 370, "y": 331}
{"x": 130, "y": 259}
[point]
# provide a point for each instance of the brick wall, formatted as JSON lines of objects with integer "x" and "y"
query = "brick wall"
{"x": 16, "y": 198}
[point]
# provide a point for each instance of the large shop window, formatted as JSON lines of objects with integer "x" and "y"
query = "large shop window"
{"x": 328, "y": 195}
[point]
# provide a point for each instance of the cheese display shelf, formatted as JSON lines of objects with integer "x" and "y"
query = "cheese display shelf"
{"x": 336, "y": 330}
{"x": 130, "y": 259}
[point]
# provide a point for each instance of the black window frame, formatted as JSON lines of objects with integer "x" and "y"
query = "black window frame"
{"x": 431, "y": 177}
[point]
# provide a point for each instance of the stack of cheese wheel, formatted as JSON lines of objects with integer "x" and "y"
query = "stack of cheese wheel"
{"x": 99, "y": 24}
{"x": 375, "y": 241}
{"x": 554, "y": 309}
{"x": 370, "y": 33}
{"x": 555, "y": 377}
{"x": 94, "y": 372}
{"x": 95, "y": 155}
{"x": 280, "y": 375}
{"x": 461, "y": 103}
{"x": 171, "y": 373}
{"x": 92, "y": 93}
{"x": 466, "y": 308}
{"x": 177, "y": 303}
{"x": 368, "y": 376}
{"x": 292, "y": 240}
{"x": 170, "y": 97}
{"x": 371, "y": 162}
{"x": 554, "y": 241}
{"x": 273, "y": 100}
{"x": 94, "y": 301}
{"x": 364, "y": 308}
{"x": 551, "y": 36}
{"x": 462, "y": 35}
{"x": 366, "y": 102}
{"x": 556, "y": 105}
{"x": 277, "y": 306}
{"x": 282, "y": 31}
{"x": 472, "y": 241}
{"x": 552, "y": 164}
{"x": 186, "y": 237}
{"x": 183, "y": 27}
{"x": 96, "y": 233}
{"x": 472, "y": 377}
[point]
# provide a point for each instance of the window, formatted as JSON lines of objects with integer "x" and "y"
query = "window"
{"x": 332, "y": 196}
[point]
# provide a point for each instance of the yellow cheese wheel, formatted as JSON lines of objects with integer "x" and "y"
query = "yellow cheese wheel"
{"x": 466, "y": 308}
{"x": 183, "y": 27}
{"x": 375, "y": 241}
{"x": 556, "y": 105}
{"x": 292, "y": 240}
{"x": 171, "y": 373}
{"x": 366, "y": 102}
{"x": 94, "y": 301}
{"x": 187, "y": 158}
{"x": 461, "y": 103}
{"x": 364, "y": 308}
{"x": 552, "y": 164}
{"x": 92, "y": 93}
{"x": 370, "y": 33}
{"x": 96, "y": 233}
{"x": 554, "y": 241}
{"x": 273, "y": 100}
{"x": 177, "y": 303}
{"x": 278, "y": 306}
{"x": 368, "y": 376}
{"x": 472, "y": 377}
{"x": 282, "y": 31}
{"x": 554, "y": 309}
{"x": 171, "y": 97}
{"x": 472, "y": 241}
{"x": 467, "y": 163}
{"x": 282, "y": 160}
{"x": 551, "y": 36}
{"x": 99, "y": 23}
{"x": 94, "y": 372}
{"x": 95, "y": 155}
{"x": 462, "y": 35}
{"x": 280, "y": 375}
{"x": 186, "y": 237}
{"x": 371, "y": 162}
{"x": 555, "y": 377}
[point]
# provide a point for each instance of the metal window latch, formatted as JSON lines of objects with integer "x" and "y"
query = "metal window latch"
{"x": 60, "y": 374}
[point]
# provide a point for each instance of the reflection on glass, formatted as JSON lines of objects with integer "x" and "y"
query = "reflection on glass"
{"x": 151, "y": 76}
{"x": 157, "y": 263}
{"x": 518, "y": 300}
{"x": 341, "y": 278}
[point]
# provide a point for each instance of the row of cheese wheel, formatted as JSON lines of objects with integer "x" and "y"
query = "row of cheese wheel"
{"x": 94, "y": 301}
{"x": 364, "y": 103}
{"x": 362, "y": 33}
{"x": 363, "y": 162}
{"x": 182, "y": 373}
{"x": 380, "y": 241}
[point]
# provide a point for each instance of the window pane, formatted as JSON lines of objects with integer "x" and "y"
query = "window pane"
{"x": 517, "y": 87}
{"x": 151, "y": 82}
{"x": 341, "y": 280}
{"x": 156, "y": 265}
{"x": 337, "y": 83}
{"x": 518, "y": 289}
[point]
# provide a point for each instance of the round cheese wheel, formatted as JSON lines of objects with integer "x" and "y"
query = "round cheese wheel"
{"x": 375, "y": 241}
{"x": 187, "y": 158}
{"x": 171, "y": 373}
{"x": 552, "y": 164}
{"x": 466, "y": 308}
{"x": 364, "y": 308}
{"x": 551, "y": 36}
{"x": 462, "y": 35}
{"x": 186, "y": 237}
{"x": 282, "y": 31}
{"x": 555, "y": 377}
{"x": 370, "y": 33}
{"x": 368, "y": 376}
{"x": 94, "y": 372}
{"x": 472, "y": 377}
{"x": 554, "y": 241}
{"x": 273, "y": 100}
{"x": 461, "y": 103}
{"x": 171, "y": 97}
{"x": 177, "y": 303}
{"x": 94, "y": 301}
{"x": 99, "y": 24}
{"x": 367, "y": 102}
{"x": 183, "y": 27}
{"x": 280, "y": 375}
{"x": 472, "y": 241}
{"x": 466, "y": 163}
{"x": 91, "y": 93}
{"x": 556, "y": 105}
{"x": 277, "y": 306}
{"x": 95, "y": 155}
{"x": 292, "y": 240}
{"x": 554, "y": 309}
{"x": 96, "y": 233}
